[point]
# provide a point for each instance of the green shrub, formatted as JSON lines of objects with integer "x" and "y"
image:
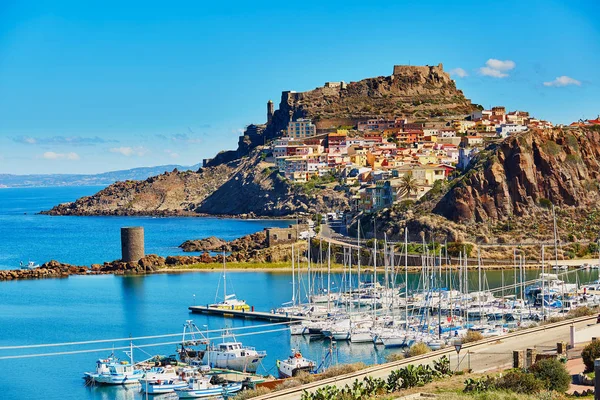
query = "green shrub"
{"x": 479, "y": 385}
{"x": 519, "y": 382}
{"x": 455, "y": 248}
{"x": 418, "y": 349}
{"x": 544, "y": 202}
{"x": 553, "y": 373}
{"x": 589, "y": 354}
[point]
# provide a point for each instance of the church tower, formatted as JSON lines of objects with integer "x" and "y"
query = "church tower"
{"x": 270, "y": 111}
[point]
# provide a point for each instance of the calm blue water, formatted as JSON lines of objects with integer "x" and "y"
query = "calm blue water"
{"x": 86, "y": 240}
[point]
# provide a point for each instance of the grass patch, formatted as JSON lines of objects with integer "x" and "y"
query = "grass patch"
{"x": 283, "y": 265}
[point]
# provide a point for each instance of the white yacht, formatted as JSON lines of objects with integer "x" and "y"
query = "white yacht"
{"x": 294, "y": 364}
{"x": 233, "y": 355}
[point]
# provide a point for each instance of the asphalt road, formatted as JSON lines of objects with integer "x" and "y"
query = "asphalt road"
{"x": 480, "y": 357}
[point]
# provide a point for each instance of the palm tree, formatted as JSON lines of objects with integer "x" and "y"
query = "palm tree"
{"x": 408, "y": 185}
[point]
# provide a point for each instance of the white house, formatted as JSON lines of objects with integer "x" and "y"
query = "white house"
{"x": 505, "y": 130}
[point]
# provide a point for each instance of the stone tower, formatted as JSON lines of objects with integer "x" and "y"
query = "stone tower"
{"x": 132, "y": 243}
{"x": 270, "y": 111}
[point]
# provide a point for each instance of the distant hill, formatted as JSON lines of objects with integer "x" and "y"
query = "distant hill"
{"x": 106, "y": 178}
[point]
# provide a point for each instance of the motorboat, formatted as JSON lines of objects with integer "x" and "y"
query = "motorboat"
{"x": 29, "y": 265}
{"x": 201, "y": 387}
{"x": 233, "y": 355}
{"x": 111, "y": 371}
{"x": 162, "y": 386}
{"x": 159, "y": 380}
{"x": 294, "y": 364}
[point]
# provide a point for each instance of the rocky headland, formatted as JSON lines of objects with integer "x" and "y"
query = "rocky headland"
{"x": 507, "y": 193}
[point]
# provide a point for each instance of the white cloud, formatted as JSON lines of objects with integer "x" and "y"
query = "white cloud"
{"x": 500, "y": 65}
{"x": 172, "y": 153}
{"x": 62, "y": 140}
{"x": 563, "y": 81}
{"x": 461, "y": 73}
{"x": 497, "y": 68}
{"x": 130, "y": 151}
{"x": 51, "y": 155}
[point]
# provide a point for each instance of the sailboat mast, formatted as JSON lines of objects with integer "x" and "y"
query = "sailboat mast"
{"x": 543, "y": 278}
{"x": 406, "y": 275}
{"x": 293, "y": 279}
{"x": 358, "y": 250}
{"x": 479, "y": 277}
{"x": 329, "y": 277}
{"x": 224, "y": 279}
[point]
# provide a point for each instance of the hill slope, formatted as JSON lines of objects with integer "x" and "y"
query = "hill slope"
{"x": 240, "y": 187}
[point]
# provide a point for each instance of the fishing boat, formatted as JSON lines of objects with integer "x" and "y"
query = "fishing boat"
{"x": 111, "y": 371}
{"x": 201, "y": 387}
{"x": 159, "y": 380}
{"x": 233, "y": 355}
{"x": 230, "y": 301}
{"x": 163, "y": 386}
{"x": 294, "y": 364}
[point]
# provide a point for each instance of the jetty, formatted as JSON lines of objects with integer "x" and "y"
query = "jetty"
{"x": 259, "y": 315}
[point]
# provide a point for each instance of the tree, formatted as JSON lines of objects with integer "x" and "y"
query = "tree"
{"x": 408, "y": 185}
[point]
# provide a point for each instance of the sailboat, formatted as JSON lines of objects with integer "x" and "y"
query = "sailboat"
{"x": 230, "y": 301}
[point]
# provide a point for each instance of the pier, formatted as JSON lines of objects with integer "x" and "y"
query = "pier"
{"x": 259, "y": 315}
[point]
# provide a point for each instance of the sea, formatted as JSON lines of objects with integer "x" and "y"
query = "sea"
{"x": 108, "y": 309}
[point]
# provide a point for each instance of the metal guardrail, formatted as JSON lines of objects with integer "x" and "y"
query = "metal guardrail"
{"x": 431, "y": 355}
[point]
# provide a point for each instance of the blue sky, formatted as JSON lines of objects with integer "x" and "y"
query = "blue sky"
{"x": 96, "y": 86}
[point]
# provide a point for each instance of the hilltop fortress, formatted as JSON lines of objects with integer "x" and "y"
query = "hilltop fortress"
{"x": 411, "y": 92}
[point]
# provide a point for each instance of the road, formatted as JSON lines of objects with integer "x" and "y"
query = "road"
{"x": 490, "y": 354}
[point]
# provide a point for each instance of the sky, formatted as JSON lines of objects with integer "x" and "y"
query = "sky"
{"x": 95, "y": 86}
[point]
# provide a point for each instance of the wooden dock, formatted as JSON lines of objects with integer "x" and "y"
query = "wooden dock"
{"x": 265, "y": 316}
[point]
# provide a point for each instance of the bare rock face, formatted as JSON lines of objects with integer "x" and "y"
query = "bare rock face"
{"x": 524, "y": 172}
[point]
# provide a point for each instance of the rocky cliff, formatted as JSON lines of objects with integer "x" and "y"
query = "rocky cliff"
{"x": 507, "y": 194}
{"x": 246, "y": 187}
{"x": 527, "y": 171}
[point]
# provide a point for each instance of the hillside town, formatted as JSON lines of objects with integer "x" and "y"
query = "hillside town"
{"x": 384, "y": 161}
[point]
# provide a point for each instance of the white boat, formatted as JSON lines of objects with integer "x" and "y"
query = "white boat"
{"x": 162, "y": 386}
{"x": 200, "y": 387}
{"x": 30, "y": 265}
{"x": 111, "y": 371}
{"x": 294, "y": 364}
{"x": 159, "y": 380}
{"x": 233, "y": 355}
